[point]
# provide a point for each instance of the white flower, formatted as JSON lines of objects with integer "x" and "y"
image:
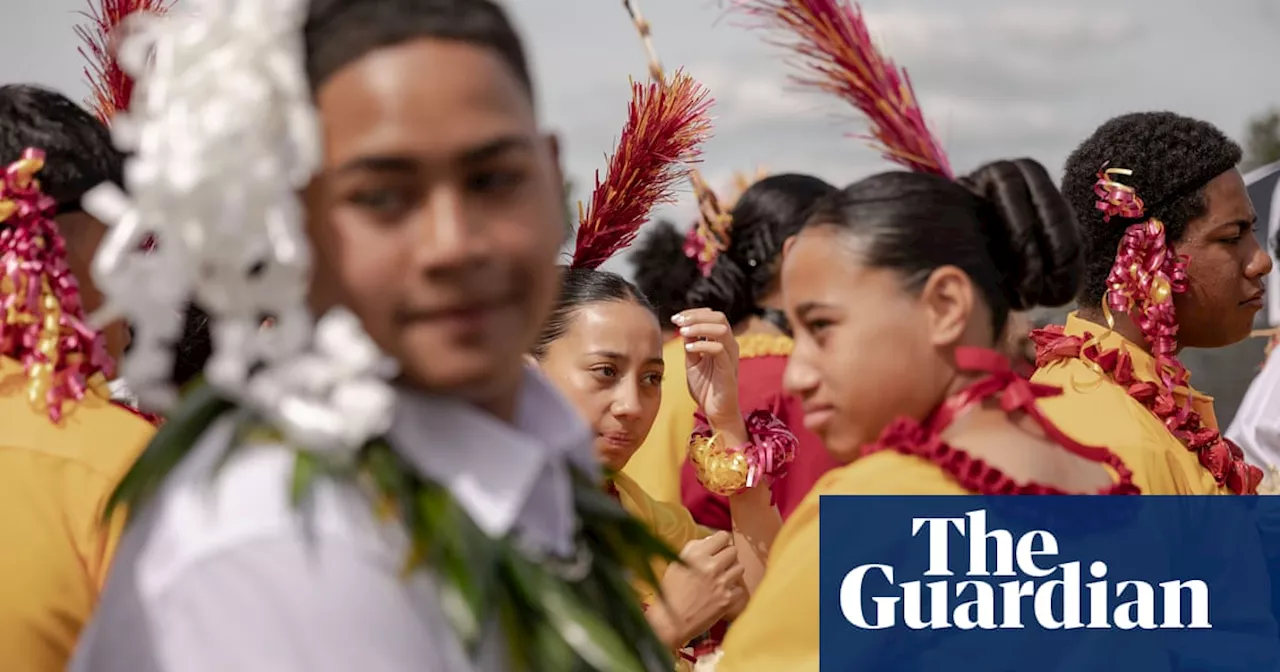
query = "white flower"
{"x": 222, "y": 135}
{"x": 334, "y": 399}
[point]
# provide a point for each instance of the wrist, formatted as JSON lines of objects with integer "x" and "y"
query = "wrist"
{"x": 664, "y": 624}
{"x": 728, "y": 421}
{"x": 733, "y": 432}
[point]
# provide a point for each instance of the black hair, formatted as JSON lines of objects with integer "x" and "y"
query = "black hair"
{"x": 78, "y": 151}
{"x": 1172, "y": 158}
{"x": 579, "y": 287}
{"x": 766, "y": 214}
{"x": 338, "y": 32}
{"x": 194, "y": 348}
{"x": 663, "y": 273}
{"x": 1005, "y": 225}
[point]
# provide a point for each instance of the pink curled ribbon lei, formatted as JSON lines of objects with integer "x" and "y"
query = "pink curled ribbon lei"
{"x": 42, "y": 321}
{"x": 1145, "y": 276}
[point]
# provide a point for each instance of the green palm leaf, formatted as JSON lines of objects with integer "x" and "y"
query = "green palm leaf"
{"x": 549, "y": 622}
{"x": 172, "y": 442}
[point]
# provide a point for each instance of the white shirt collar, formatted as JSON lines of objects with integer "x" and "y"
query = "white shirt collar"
{"x": 506, "y": 476}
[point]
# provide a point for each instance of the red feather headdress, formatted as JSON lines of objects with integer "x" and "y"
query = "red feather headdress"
{"x": 666, "y": 126}
{"x": 110, "y": 87}
{"x": 710, "y": 235}
{"x": 836, "y": 55}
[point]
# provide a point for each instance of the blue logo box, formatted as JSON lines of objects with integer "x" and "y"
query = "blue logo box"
{"x": 994, "y": 584}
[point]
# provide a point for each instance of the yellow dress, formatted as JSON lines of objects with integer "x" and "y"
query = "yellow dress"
{"x": 655, "y": 467}
{"x": 669, "y": 522}
{"x": 779, "y": 628}
{"x": 54, "y": 480}
{"x": 1095, "y": 411}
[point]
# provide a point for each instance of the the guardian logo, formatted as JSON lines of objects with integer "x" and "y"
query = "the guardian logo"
{"x": 1052, "y": 593}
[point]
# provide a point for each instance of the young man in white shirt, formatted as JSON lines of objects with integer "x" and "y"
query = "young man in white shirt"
{"x": 435, "y": 217}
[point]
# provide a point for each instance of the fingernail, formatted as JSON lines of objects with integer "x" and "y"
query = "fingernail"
{"x": 684, "y": 331}
{"x": 678, "y": 319}
{"x": 688, "y": 346}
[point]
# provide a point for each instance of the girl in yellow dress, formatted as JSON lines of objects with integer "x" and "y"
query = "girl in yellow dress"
{"x": 602, "y": 349}
{"x": 898, "y": 290}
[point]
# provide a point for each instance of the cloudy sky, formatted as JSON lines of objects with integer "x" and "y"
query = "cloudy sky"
{"x": 996, "y": 78}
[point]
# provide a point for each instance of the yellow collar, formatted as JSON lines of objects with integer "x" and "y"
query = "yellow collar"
{"x": 1144, "y": 365}
{"x": 764, "y": 345}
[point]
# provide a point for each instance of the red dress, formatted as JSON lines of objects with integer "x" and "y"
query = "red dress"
{"x": 762, "y": 361}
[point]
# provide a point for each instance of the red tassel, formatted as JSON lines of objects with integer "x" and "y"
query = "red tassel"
{"x": 110, "y": 87}
{"x": 666, "y": 126}
{"x": 838, "y": 56}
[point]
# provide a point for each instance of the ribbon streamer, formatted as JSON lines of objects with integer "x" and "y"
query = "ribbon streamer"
{"x": 729, "y": 470}
{"x": 43, "y": 324}
{"x": 1145, "y": 276}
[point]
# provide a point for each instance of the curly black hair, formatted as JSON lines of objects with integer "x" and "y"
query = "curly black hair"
{"x": 662, "y": 271}
{"x": 1172, "y": 158}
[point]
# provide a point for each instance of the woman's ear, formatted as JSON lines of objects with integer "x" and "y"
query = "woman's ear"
{"x": 948, "y": 299}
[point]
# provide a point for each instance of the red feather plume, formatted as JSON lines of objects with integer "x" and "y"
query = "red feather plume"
{"x": 666, "y": 126}
{"x": 838, "y": 56}
{"x": 110, "y": 87}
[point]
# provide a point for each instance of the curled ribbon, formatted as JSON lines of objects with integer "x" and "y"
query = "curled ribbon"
{"x": 1145, "y": 276}
{"x": 43, "y": 324}
{"x": 1216, "y": 453}
{"x": 1116, "y": 199}
{"x": 728, "y": 470}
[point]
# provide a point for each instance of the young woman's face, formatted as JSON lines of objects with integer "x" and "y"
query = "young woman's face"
{"x": 866, "y": 351}
{"x": 609, "y": 365}
{"x": 1225, "y": 268}
{"x": 438, "y": 213}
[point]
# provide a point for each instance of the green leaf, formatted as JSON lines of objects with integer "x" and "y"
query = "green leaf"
{"x": 578, "y": 625}
{"x": 304, "y": 473}
{"x": 464, "y": 558}
{"x": 173, "y": 441}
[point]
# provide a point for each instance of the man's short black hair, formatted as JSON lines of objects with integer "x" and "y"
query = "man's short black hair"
{"x": 339, "y": 32}
{"x": 1172, "y": 158}
{"x": 78, "y": 149}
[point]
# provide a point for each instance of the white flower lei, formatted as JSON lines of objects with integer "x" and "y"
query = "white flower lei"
{"x": 223, "y": 135}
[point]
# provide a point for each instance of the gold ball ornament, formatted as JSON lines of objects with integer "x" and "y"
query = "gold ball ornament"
{"x": 721, "y": 470}
{"x": 1160, "y": 289}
